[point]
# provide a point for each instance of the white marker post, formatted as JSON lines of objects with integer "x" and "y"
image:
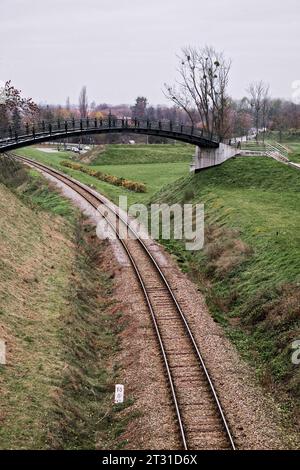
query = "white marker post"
{"x": 2, "y": 352}
{"x": 119, "y": 393}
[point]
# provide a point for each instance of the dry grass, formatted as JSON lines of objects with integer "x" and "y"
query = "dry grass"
{"x": 224, "y": 250}
{"x": 36, "y": 259}
{"x": 59, "y": 324}
{"x": 285, "y": 308}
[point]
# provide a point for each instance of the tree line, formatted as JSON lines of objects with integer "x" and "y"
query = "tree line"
{"x": 198, "y": 97}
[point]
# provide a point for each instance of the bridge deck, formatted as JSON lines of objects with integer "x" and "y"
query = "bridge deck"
{"x": 11, "y": 138}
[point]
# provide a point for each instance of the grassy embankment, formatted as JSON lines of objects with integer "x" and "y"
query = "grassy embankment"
{"x": 59, "y": 322}
{"x": 294, "y": 156}
{"x": 249, "y": 268}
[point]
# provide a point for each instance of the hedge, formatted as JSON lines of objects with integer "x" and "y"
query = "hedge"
{"x": 115, "y": 180}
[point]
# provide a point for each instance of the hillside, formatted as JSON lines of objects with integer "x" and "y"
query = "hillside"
{"x": 57, "y": 383}
{"x": 249, "y": 268}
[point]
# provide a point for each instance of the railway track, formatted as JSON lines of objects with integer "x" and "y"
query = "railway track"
{"x": 201, "y": 419}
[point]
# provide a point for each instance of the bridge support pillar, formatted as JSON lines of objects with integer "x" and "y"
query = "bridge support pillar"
{"x": 208, "y": 157}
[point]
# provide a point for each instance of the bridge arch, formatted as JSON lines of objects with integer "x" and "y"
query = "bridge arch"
{"x": 11, "y": 138}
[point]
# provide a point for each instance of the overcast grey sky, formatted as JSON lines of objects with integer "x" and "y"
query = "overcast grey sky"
{"x": 123, "y": 48}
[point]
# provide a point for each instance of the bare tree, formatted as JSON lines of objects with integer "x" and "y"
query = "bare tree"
{"x": 15, "y": 107}
{"x": 83, "y": 103}
{"x": 181, "y": 97}
{"x": 68, "y": 105}
{"x": 259, "y": 100}
{"x": 201, "y": 90}
{"x": 265, "y": 110}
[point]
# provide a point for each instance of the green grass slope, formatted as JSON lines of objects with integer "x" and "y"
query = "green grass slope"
{"x": 294, "y": 156}
{"x": 249, "y": 267}
{"x": 142, "y": 154}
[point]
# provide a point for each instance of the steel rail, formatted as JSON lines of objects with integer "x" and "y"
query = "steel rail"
{"x": 148, "y": 301}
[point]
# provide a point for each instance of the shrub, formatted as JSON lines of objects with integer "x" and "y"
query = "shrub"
{"x": 111, "y": 179}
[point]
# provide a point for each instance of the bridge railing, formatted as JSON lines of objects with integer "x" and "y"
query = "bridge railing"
{"x": 30, "y": 131}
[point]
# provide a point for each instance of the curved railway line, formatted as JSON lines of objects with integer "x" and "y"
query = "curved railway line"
{"x": 201, "y": 419}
